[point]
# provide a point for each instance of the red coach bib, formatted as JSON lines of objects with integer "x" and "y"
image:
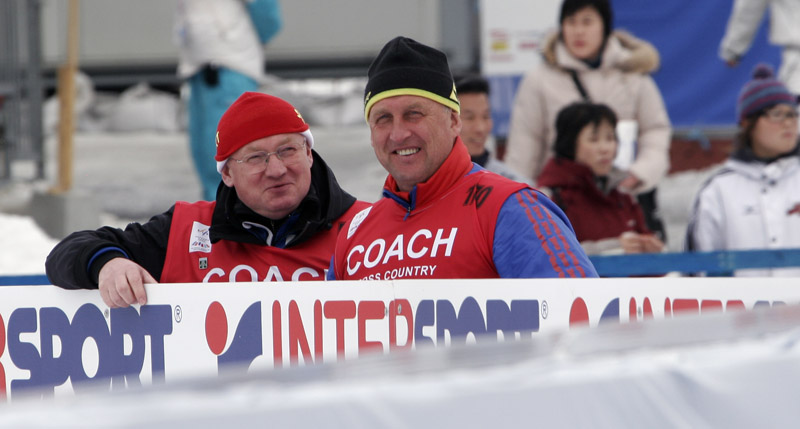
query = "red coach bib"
{"x": 191, "y": 257}
{"x": 447, "y": 237}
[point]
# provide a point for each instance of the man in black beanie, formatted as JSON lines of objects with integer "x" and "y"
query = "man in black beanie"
{"x": 443, "y": 216}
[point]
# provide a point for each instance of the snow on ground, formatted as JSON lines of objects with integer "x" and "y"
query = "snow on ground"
{"x": 25, "y": 245}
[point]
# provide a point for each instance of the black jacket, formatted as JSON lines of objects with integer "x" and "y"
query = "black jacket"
{"x": 75, "y": 262}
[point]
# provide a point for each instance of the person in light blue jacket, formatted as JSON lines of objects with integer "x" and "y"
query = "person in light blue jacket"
{"x": 221, "y": 56}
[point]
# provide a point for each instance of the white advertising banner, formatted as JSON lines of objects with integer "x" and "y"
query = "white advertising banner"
{"x": 512, "y": 34}
{"x": 52, "y": 340}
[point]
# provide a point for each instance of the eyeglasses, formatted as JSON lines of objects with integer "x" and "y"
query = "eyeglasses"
{"x": 256, "y": 162}
{"x": 778, "y": 116}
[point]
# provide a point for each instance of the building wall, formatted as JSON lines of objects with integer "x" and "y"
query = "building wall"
{"x": 125, "y": 32}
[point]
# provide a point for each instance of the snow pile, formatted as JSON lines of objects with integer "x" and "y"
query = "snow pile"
{"x": 26, "y": 245}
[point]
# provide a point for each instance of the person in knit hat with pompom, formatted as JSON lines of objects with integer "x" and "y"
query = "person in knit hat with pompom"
{"x": 753, "y": 202}
{"x": 441, "y": 215}
{"x": 276, "y": 215}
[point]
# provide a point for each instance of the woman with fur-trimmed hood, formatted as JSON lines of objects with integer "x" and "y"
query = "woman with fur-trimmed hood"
{"x": 611, "y": 67}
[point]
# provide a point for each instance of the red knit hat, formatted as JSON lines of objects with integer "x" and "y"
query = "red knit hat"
{"x": 253, "y": 116}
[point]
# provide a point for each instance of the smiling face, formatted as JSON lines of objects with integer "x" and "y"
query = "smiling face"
{"x": 412, "y": 136}
{"x": 277, "y": 190}
{"x": 596, "y": 147}
{"x": 775, "y": 132}
{"x": 583, "y": 33}
{"x": 476, "y": 119}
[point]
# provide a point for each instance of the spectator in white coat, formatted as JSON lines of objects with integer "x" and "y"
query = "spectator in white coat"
{"x": 753, "y": 202}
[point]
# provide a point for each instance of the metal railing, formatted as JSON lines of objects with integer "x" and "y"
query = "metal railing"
{"x": 646, "y": 264}
{"x": 21, "y": 90}
{"x": 721, "y": 263}
{"x": 24, "y": 280}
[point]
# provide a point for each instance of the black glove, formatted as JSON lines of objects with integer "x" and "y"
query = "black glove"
{"x": 211, "y": 74}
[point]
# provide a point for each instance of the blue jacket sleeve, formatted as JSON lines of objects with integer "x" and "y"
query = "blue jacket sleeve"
{"x": 533, "y": 238}
{"x": 266, "y": 16}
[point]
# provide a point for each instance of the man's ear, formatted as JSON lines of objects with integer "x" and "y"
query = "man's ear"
{"x": 455, "y": 122}
{"x": 226, "y": 175}
{"x": 310, "y": 156}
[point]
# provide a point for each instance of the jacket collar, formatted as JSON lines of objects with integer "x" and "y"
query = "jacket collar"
{"x": 566, "y": 173}
{"x": 455, "y": 166}
{"x": 746, "y": 163}
{"x": 746, "y": 154}
{"x": 622, "y": 51}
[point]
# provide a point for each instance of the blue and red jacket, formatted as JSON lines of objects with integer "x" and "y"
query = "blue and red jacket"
{"x": 463, "y": 222}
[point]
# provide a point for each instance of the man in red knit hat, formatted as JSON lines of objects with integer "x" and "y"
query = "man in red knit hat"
{"x": 276, "y": 215}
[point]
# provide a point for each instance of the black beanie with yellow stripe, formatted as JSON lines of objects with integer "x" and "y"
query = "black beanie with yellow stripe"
{"x": 407, "y": 67}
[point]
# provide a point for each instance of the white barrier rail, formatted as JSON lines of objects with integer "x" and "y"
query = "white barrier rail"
{"x": 53, "y": 340}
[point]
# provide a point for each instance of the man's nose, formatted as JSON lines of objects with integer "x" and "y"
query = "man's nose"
{"x": 275, "y": 167}
{"x": 485, "y": 126}
{"x": 399, "y": 131}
